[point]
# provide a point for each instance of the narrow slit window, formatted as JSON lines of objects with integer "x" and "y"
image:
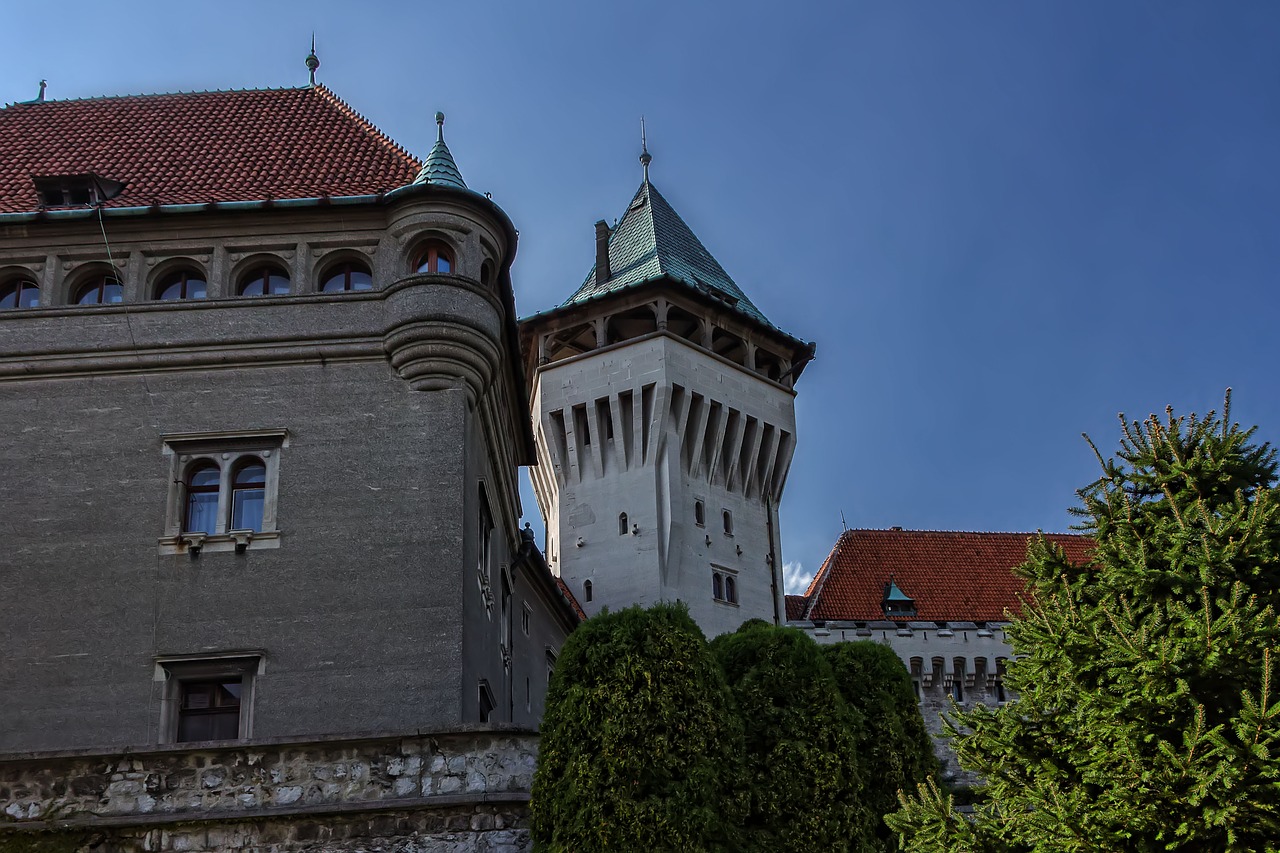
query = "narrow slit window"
{"x": 622, "y": 523}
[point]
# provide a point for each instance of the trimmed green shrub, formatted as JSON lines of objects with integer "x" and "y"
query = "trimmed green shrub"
{"x": 640, "y": 744}
{"x": 802, "y": 777}
{"x": 894, "y": 747}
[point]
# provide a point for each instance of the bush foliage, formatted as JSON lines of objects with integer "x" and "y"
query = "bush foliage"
{"x": 803, "y": 777}
{"x": 640, "y": 747}
{"x": 893, "y": 745}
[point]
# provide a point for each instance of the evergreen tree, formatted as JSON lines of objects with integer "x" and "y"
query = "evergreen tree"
{"x": 802, "y": 777}
{"x": 640, "y": 744}
{"x": 894, "y": 747}
{"x": 1147, "y": 716}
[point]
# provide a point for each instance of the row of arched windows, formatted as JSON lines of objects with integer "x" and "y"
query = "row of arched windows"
{"x": 264, "y": 279}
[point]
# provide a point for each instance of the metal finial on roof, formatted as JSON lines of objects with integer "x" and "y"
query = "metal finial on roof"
{"x": 645, "y": 157}
{"x": 43, "y": 83}
{"x": 439, "y": 127}
{"x": 313, "y": 61}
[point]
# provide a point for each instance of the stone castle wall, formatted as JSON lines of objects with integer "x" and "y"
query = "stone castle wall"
{"x": 452, "y": 792}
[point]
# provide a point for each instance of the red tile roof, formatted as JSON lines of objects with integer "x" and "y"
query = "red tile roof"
{"x": 795, "y": 607}
{"x": 199, "y": 147}
{"x": 569, "y": 597}
{"x": 952, "y": 577}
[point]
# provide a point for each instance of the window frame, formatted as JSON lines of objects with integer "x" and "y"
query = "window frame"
{"x": 427, "y": 259}
{"x": 182, "y": 276}
{"x": 344, "y": 268}
{"x": 261, "y": 273}
{"x": 17, "y": 285}
{"x": 230, "y": 453}
{"x": 724, "y": 586}
{"x": 175, "y": 671}
{"x": 100, "y": 282}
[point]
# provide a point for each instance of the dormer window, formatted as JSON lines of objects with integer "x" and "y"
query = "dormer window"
{"x": 897, "y": 604}
{"x": 76, "y": 190}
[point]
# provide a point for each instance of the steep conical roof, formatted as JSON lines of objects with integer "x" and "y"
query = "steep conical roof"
{"x": 653, "y": 242}
{"x": 439, "y": 167}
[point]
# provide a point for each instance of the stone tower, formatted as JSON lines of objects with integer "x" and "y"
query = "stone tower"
{"x": 663, "y": 413}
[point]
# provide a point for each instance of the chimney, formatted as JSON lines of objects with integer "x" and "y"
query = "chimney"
{"x": 603, "y": 273}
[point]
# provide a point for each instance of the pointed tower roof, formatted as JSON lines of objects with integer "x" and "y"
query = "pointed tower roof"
{"x": 653, "y": 242}
{"x": 439, "y": 167}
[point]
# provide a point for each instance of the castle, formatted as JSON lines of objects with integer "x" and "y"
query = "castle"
{"x": 266, "y": 397}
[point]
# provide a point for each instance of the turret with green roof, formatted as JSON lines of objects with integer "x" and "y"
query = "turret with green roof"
{"x": 663, "y": 409}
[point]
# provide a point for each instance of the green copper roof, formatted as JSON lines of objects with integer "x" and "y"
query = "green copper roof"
{"x": 893, "y": 593}
{"x": 439, "y": 167}
{"x": 653, "y": 242}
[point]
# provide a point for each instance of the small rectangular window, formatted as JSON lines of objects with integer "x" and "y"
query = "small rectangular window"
{"x": 207, "y": 697}
{"x": 487, "y": 705}
{"x": 525, "y": 617}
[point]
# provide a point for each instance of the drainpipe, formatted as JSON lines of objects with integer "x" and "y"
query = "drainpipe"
{"x": 773, "y": 558}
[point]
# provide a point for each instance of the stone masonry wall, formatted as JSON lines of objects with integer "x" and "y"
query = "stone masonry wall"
{"x": 452, "y": 792}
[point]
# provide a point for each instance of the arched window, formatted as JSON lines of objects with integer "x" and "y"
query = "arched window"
{"x": 622, "y": 523}
{"x": 100, "y": 290}
{"x": 183, "y": 284}
{"x": 348, "y": 275}
{"x": 435, "y": 257}
{"x": 717, "y": 586}
{"x": 699, "y": 513}
{"x": 728, "y": 522}
{"x": 730, "y": 589}
{"x": 20, "y": 293}
{"x": 586, "y": 590}
{"x": 248, "y": 494}
{"x": 486, "y": 273}
{"x": 201, "y": 515}
{"x": 264, "y": 280}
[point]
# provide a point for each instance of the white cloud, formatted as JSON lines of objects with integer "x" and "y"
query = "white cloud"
{"x": 795, "y": 580}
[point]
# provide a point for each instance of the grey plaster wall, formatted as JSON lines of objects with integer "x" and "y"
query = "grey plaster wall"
{"x": 392, "y": 403}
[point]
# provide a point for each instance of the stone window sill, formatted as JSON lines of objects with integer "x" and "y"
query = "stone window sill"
{"x": 237, "y": 541}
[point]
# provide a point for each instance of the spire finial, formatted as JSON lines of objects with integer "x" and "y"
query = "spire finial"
{"x": 43, "y": 83}
{"x": 313, "y": 61}
{"x": 645, "y": 157}
{"x": 439, "y": 127}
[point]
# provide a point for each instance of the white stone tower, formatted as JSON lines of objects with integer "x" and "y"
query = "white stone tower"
{"x": 663, "y": 410}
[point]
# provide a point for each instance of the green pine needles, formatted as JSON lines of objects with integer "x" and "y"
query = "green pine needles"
{"x": 655, "y": 740}
{"x": 1148, "y": 717}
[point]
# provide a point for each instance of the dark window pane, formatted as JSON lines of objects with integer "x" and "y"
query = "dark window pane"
{"x": 277, "y": 284}
{"x": 204, "y": 477}
{"x": 202, "y": 512}
{"x": 246, "y": 509}
{"x": 361, "y": 280}
{"x": 254, "y": 474}
{"x": 113, "y": 292}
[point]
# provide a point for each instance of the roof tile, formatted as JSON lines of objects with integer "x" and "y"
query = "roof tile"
{"x": 199, "y": 147}
{"x": 951, "y": 576}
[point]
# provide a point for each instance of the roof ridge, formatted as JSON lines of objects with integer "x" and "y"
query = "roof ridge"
{"x": 138, "y": 95}
{"x": 814, "y": 592}
{"x": 966, "y": 532}
{"x": 368, "y": 126}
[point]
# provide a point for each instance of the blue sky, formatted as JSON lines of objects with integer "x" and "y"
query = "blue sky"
{"x": 1002, "y": 222}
